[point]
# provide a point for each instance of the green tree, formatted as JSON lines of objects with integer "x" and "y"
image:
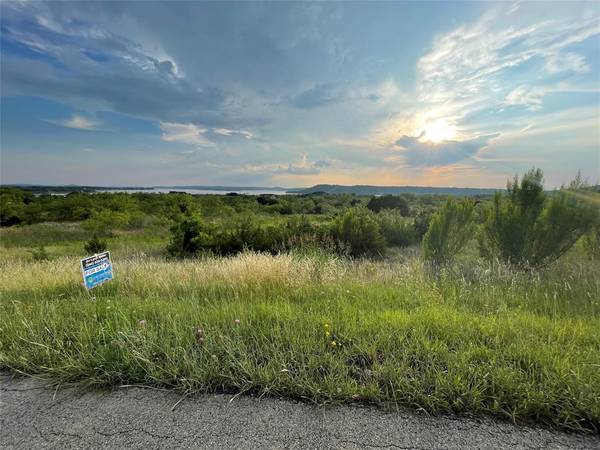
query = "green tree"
{"x": 398, "y": 202}
{"x": 449, "y": 230}
{"x": 13, "y": 202}
{"x": 529, "y": 229}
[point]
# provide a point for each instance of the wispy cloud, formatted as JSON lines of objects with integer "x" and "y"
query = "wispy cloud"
{"x": 77, "y": 122}
{"x": 228, "y": 132}
{"x": 185, "y": 133}
{"x": 531, "y": 97}
{"x": 304, "y": 167}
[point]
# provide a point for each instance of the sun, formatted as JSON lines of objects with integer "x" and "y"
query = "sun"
{"x": 438, "y": 131}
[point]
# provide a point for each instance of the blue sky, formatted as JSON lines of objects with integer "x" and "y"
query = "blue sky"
{"x": 295, "y": 94}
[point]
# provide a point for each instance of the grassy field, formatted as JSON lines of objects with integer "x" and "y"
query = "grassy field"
{"x": 475, "y": 339}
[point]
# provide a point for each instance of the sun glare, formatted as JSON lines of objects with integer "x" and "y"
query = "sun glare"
{"x": 438, "y": 131}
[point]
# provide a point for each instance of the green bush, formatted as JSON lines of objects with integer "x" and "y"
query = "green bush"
{"x": 191, "y": 236}
{"x": 591, "y": 242}
{"x": 527, "y": 229}
{"x": 383, "y": 202}
{"x": 188, "y": 237}
{"x": 359, "y": 230}
{"x": 95, "y": 245}
{"x": 105, "y": 221}
{"x": 450, "y": 229}
{"x": 40, "y": 254}
{"x": 397, "y": 230}
{"x": 421, "y": 224}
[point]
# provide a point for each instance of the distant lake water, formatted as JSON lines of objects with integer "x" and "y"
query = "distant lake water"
{"x": 190, "y": 191}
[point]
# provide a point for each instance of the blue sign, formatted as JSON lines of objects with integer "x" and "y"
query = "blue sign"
{"x": 96, "y": 269}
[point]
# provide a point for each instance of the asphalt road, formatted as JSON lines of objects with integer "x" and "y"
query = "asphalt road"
{"x": 34, "y": 416}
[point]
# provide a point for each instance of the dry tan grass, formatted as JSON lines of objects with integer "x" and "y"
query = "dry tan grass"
{"x": 242, "y": 271}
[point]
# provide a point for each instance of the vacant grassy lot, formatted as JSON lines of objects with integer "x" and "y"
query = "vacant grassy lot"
{"x": 479, "y": 339}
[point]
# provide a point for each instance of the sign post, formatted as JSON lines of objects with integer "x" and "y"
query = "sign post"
{"x": 96, "y": 270}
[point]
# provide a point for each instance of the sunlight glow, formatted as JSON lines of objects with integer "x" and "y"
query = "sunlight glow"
{"x": 438, "y": 131}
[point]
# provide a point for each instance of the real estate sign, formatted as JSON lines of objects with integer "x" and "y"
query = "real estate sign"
{"x": 96, "y": 269}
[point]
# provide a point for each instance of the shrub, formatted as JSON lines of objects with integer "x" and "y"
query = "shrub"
{"x": 265, "y": 199}
{"x": 95, "y": 245}
{"x": 40, "y": 254}
{"x": 397, "y": 230}
{"x": 12, "y": 206}
{"x": 450, "y": 229}
{"x": 591, "y": 242}
{"x": 421, "y": 225}
{"x": 188, "y": 237}
{"x": 528, "y": 230}
{"x": 398, "y": 202}
{"x": 359, "y": 230}
{"x": 191, "y": 236}
{"x": 103, "y": 222}
{"x": 285, "y": 210}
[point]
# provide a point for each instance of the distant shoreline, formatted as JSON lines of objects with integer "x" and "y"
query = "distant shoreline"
{"x": 260, "y": 190}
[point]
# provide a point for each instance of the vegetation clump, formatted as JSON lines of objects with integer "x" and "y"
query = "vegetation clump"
{"x": 95, "y": 245}
{"x": 383, "y": 202}
{"x": 529, "y": 229}
{"x": 360, "y": 230}
{"x": 450, "y": 229}
{"x": 40, "y": 254}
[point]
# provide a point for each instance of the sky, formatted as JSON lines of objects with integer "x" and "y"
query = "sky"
{"x": 463, "y": 94}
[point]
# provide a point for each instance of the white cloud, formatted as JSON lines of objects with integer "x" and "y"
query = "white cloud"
{"x": 525, "y": 96}
{"x": 77, "y": 122}
{"x": 185, "y": 133}
{"x": 464, "y": 66}
{"x": 566, "y": 61}
{"x": 513, "y": 9}
{"x": 228, "y": 132}
{"x": 303, "y": 167}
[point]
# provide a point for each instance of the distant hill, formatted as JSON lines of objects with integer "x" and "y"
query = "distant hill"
{"x": 226, "y": 188}
{"x": 393, "y": 190}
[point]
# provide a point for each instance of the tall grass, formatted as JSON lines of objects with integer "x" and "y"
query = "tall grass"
{"x": 474, "y": 339}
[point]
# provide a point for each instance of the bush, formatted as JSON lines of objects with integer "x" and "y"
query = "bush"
{"x": 188, "y": 237}
{"x": 265, "y": 199}
{"x": 591, "y": 242}
{"x": 450, "y": 229}
{"x": 40, "y": 254}
{"x": 421, "y": 225}
{"x": 95, "y": 245}
{"x": 397, "y": 230}
{"x": 359, "y": 230}
{"x": 103, "y": 222}
{"x": 398, "y": 202}
{"x": 528, "y": 230}
{"x": 192, "y": 237}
